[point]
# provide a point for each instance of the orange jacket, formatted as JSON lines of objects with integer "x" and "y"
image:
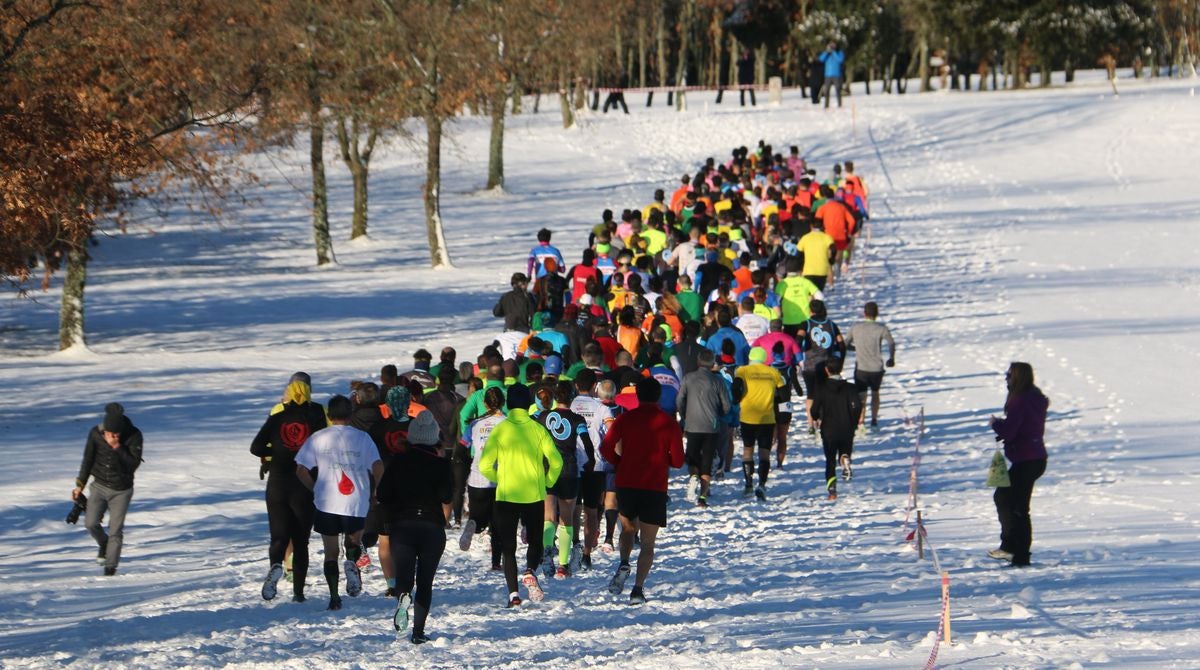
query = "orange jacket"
{"x": 838, "y": 219}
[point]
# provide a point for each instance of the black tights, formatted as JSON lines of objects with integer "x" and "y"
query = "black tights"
{"x": 505, "y": 516}
{"x": 290, "y": 517}
{"x": 417, "y": 548}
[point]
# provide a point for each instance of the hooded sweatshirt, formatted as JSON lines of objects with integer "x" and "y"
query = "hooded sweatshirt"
{"x": 514, "y": 457}
{"x": 1023, "y": 427}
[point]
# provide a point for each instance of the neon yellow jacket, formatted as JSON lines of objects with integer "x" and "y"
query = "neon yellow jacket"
{"x": 515, "y": 457}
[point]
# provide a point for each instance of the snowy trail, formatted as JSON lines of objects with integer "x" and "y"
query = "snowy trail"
{"x": 983, "y": 250}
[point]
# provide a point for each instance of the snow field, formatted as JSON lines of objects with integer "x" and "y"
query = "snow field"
{"x": 1048, "y": 226}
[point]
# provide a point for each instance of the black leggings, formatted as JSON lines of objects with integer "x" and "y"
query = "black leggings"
{"x": 834, "y": 448}
{"x": 1012, "y": 506}
{"x": 761, "y": 436}
{"x": 417, "y": 548}
{"x": 504, "y": 526}
{"x": 290, "y": 517}
{"x": 482, "y": 502}
{"x": 460, "y": 465}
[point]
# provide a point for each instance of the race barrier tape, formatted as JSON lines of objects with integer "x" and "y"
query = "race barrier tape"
{"x": 920, "y": 535}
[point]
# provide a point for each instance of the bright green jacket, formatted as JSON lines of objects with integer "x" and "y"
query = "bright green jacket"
{"x": 515, "y": 456}
{"x": 474, "y": 408}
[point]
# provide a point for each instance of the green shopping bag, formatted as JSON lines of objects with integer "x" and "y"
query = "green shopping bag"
{"x": 998, "y": 472}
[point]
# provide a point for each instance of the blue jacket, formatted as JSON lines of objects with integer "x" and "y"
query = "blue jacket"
{"x": 833, "y": 62}
{"x": 741, "y": 355}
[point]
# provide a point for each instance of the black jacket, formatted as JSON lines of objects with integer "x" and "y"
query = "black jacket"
{"x": 415, "y": 485}
{"x": 111, "y": 468}
{"x": 282, "y": 436}
{"x": 837, "y": 406}
{"x": 516, "y": 307}
{"x": 365, "y": 417}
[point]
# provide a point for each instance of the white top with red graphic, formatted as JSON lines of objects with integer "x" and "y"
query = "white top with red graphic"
{"x": 343, "y": 456}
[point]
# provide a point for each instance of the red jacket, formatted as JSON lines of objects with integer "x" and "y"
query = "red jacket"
{"x": 651, "y": 444}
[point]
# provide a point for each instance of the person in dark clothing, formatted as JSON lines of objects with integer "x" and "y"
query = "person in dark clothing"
{"x": 745, "y": 72}
{"x": 548, "y": 292}
{"x": 516, "y": 307}
{"x": 710, "y": 274}
{"x": 836, "y": 409}
{"x": 1022, "y": 431}
{"x": 444, "y": 402}
{"x": 367, "y": 414}
{"x": 617, "y": 96}
{"x": 689, "y": 347}
{"x": 390, "y": 437}
{"x": 816, "y": 79}
{"x": 111, "y": 454}
{"x": 412, "y": 491}
{"x": 290, "y": 507}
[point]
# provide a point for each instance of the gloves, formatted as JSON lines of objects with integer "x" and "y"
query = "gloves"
{"x": 263, "y": 469}
{"x": 891, "y": 363}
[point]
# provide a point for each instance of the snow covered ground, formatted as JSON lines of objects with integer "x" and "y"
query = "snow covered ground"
{"x": 1057, "y": 227}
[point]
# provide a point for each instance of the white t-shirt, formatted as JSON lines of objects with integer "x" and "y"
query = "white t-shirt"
{"x": 480, "y": 429}
{"x": 343, "y": 456}
{"x": 752, "y": 326}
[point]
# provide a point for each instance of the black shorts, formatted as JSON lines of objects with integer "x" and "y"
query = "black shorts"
{"x": 813, "y": 380}
{"x": 336, "y": 524}
{"x": 643, "y": 505}
{"x": 759, "y": 435}
{"x": 610, "y": 482}
{"x": 701, "y": 448}
{"x": 566, "y": 488}
{"x": 868, "y": 380}
{"x": 592, "y": 489}
{"x": 783, "y": 418}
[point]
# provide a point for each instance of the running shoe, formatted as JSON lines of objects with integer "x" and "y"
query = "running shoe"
{"x": 400, "y": 617}
{"x": 536, "y": 594}
{"x": 270, "y": 584}
{"x": 636, "y": 596}
{"x": 468, "y": 534}
{"x": 353, "y": 578}
{"x": 617, "y": 584}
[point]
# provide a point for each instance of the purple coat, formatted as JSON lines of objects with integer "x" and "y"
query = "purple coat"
{"x": 1023, "y": 427}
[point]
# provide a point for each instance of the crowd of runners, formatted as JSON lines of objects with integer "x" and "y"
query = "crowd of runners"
{"x": 688, "y": 324}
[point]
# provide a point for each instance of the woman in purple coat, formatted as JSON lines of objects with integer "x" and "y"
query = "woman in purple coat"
{"x": 1021, "y": 430}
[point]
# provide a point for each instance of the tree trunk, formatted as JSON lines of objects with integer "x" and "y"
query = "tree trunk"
{"x": 620, "y": 49}
{"x": 495, "y": 178}
{"x": 923, "y": 62}
{"x": 439, "y": 255}
{"x": 516, "y": 96}
{"x": 660, "y": 45}
{"x": 1044, "y": 75}
{"x": 889, "y": 74}
{"x": 320, "y": 197}
{"x": 641, "y": 50}
{"x": 564, "y": 102}
{"x": 358, "y": 161}
{"x": 685, "y": 44}
{"x": 70, "y": 316}
{"x": 580, "y": 93}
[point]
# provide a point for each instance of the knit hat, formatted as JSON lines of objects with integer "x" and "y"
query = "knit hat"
{"x": 424, "y": 429}
{"x": 398, "y": 399}
{"x": 114, "y": 418}
{"x": 519, "y": 397}
{"x": 758, "y": 355}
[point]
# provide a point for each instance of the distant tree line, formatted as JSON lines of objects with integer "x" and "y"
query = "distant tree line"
{"x": 106, "y": 101}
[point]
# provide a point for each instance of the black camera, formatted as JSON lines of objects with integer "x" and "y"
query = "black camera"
{"x": 79, "y": 508}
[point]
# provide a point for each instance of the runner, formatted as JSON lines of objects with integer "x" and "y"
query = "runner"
{"x": 411, "y": 492}
{"x": 866, "y": 339}
{"x": 795, "y": 293}
{"x": 570, "y": 434}
{"x": 390, "y": 437}
{"x": 820, "y": 340}
{"x": 542, "y": 253}
{"x": 836, "y": 410}
{"x": 481, "y": 492}
{"x": 347, "y": 464}
{"x": 289, "y": 503}
{"x": 702, "y": 400}
{"x": 513, "y": 458}
{"x": 643, "y": 444}
{"x": 111, "y": 456}
{"x": 606, "y": 414}
{"x": 784, "y": 355}
{"x": 757, "y": 387}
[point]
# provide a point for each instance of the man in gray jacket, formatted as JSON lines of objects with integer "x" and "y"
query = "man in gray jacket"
{"x": 703, "y": 399}
{"x": 866, "y": 339}
{"x": 112, "y": 454}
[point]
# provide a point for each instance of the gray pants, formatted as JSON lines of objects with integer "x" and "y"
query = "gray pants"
{"x": 834, "y": 84}
{"x": 116, "y": 503}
